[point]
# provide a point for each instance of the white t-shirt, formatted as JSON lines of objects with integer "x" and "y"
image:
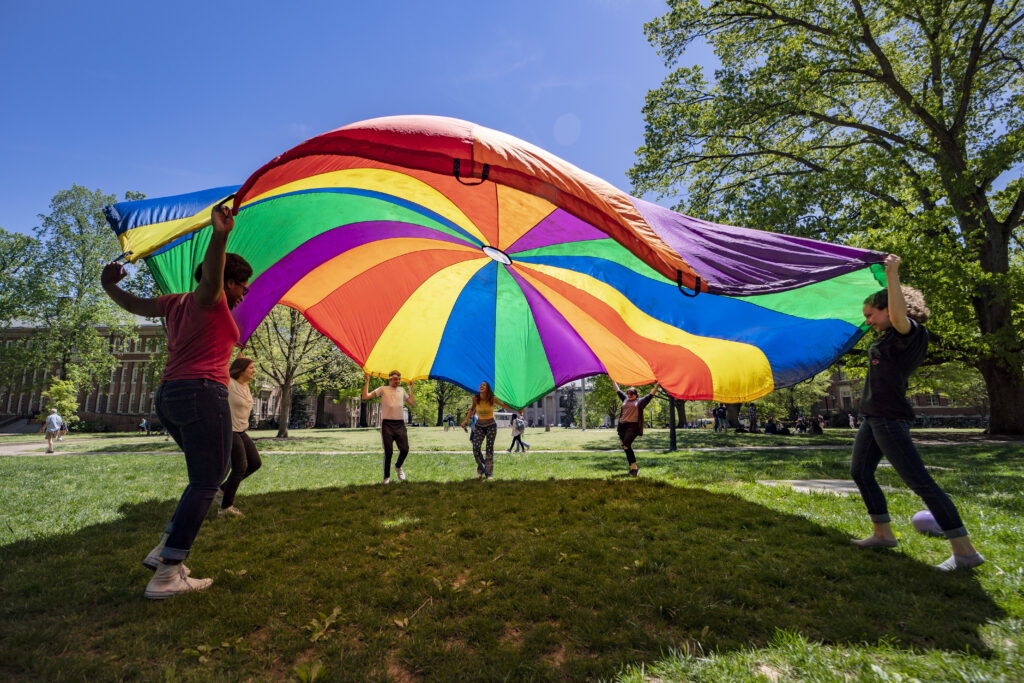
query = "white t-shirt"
{"x": 390, "y": 402}
{"x": 240, "y": 401}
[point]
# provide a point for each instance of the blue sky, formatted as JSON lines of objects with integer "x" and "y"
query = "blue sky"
{"x": 168, "y": 98}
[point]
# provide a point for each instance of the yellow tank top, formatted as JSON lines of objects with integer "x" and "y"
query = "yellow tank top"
{"x": 484, "y": 411}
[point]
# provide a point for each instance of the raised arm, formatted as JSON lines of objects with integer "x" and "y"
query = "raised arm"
{"x": 411, "y": 398}
{"x": 366, "y": 386}
{"x": 897, "y": 304}
{"x": 211, "y": 287}
{"x": 114, "y": 273}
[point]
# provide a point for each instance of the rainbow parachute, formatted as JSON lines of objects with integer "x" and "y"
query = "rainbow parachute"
{"x": 452, "y": 251}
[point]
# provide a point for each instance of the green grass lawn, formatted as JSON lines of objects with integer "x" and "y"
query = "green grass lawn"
{"x": 561, "y": 569}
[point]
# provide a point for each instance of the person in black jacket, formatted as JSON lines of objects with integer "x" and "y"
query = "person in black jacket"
{"x": 898, "y": 314}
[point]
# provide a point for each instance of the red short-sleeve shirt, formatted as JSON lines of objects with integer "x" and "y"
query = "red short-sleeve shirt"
{"x": 199, "y": 338}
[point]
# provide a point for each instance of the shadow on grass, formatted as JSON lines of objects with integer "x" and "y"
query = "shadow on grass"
{"x": 465, "y": 581}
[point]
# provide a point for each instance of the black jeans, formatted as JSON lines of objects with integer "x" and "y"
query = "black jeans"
{"x": 880, "y": 436}
{"x": 195, "y": 413}
{"x": 628, "y": 431}
{"x": 245, "y": 460}
{"x": 394, "y": 431}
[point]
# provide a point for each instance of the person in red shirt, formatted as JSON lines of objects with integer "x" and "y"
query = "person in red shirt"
{"x": 192, "y": 401}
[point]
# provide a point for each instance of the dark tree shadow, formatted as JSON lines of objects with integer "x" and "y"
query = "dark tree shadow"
{"x": 465, "y": 581}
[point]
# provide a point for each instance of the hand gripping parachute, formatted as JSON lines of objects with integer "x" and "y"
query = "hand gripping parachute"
{"x": 452, "y": 251}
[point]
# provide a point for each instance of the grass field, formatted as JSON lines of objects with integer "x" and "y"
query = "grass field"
{"x": 561, "y": 569}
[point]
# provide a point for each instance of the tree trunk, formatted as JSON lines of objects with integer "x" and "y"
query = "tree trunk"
{"x": 286, "y": 411}
{"x": 321, "y": 413}
{"x": 672, "y": 423}
{"x": 440, "y": 413}
{"x": 1005, "y": 398}
{"x": 363, "y": 420}
{"x": 732, "y": 414}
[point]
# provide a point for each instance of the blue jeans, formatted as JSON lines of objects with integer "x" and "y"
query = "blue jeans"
{"x": 196, "y": 415}
{"x": 880, "y": 436}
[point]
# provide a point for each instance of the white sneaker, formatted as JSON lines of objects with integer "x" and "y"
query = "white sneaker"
{"x": 400, "y": 473}
{"x": 387, "y": 480}
{"x": 231, "y": 510}
{"x": 171, "y": 579}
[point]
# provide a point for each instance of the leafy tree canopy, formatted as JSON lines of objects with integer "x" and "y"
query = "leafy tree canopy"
{"x": 895, "y": 125}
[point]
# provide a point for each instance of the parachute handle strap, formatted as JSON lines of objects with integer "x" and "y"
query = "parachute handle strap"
{"x": 456, "y": 166}
{"x": 696, "y": 284}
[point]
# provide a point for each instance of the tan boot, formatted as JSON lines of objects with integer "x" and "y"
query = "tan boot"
{"x": 170, "y": 579}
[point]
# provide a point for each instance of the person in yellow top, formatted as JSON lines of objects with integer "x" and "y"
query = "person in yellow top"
{"x": 392, "y": 423}
{"x": 486, "y": 428}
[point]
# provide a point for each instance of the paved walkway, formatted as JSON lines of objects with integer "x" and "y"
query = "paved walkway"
{"x": 838, "y": 487}
{"x": 37, "y": 447}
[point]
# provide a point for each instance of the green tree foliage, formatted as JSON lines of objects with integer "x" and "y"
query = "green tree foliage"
{"x": 77, "y": 244}
{"x": 290, "y": 353}
{"x": 62, "y": 394}
{"x": 894, "y": 125}
{"x": 20, "y": 293}
{"x": 570, "y": 404}
{"x": 602, "y": 401}
{"x": 448, "y": 398}
{"x": 791, "y": 402}
{"x": 962, "y": 384}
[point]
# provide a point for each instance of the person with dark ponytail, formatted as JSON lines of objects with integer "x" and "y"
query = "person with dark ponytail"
{"x": 245, "y": 459}
{"x": 898, "y": 314}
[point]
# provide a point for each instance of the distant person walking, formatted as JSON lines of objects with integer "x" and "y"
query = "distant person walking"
{"x": 192, "y": 401}
{"x": 898, "y": 314}
{"x": 631, "y": 421}
{"x": 392, "y": 423}
{"x": 486, "y": 429}
{"x": 52, "y": 425}
{"x": 518, "y": 427}
{"x": 245, "y": 458}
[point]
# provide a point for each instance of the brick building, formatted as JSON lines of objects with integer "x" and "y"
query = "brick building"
{"x": 935, "y": 410}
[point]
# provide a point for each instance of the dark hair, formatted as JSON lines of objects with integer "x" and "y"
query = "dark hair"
{"x": 393, "y": 373}
{"x": 917, "y": 310}
{"x": 489, "y": 397}
{"x": 236, "y": 269}
{"x": 238, "y": 366}
{"x": 633, "y": 391}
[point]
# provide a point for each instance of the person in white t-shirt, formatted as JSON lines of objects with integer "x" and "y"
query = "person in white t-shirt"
{"x": 392, "y": 423}
{"x": 245, "y": 459}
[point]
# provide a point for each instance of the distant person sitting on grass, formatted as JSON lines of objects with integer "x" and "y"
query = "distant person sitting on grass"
{"x": 52, "y": 426}
{"x": 245, "y": 459}
{"x": 192, "y": 401}
{"x": 631, "y": 421}
{"x": 898, "y": 313}
{"x": 392, "y": 423}
{"x": 486, "y": 428}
